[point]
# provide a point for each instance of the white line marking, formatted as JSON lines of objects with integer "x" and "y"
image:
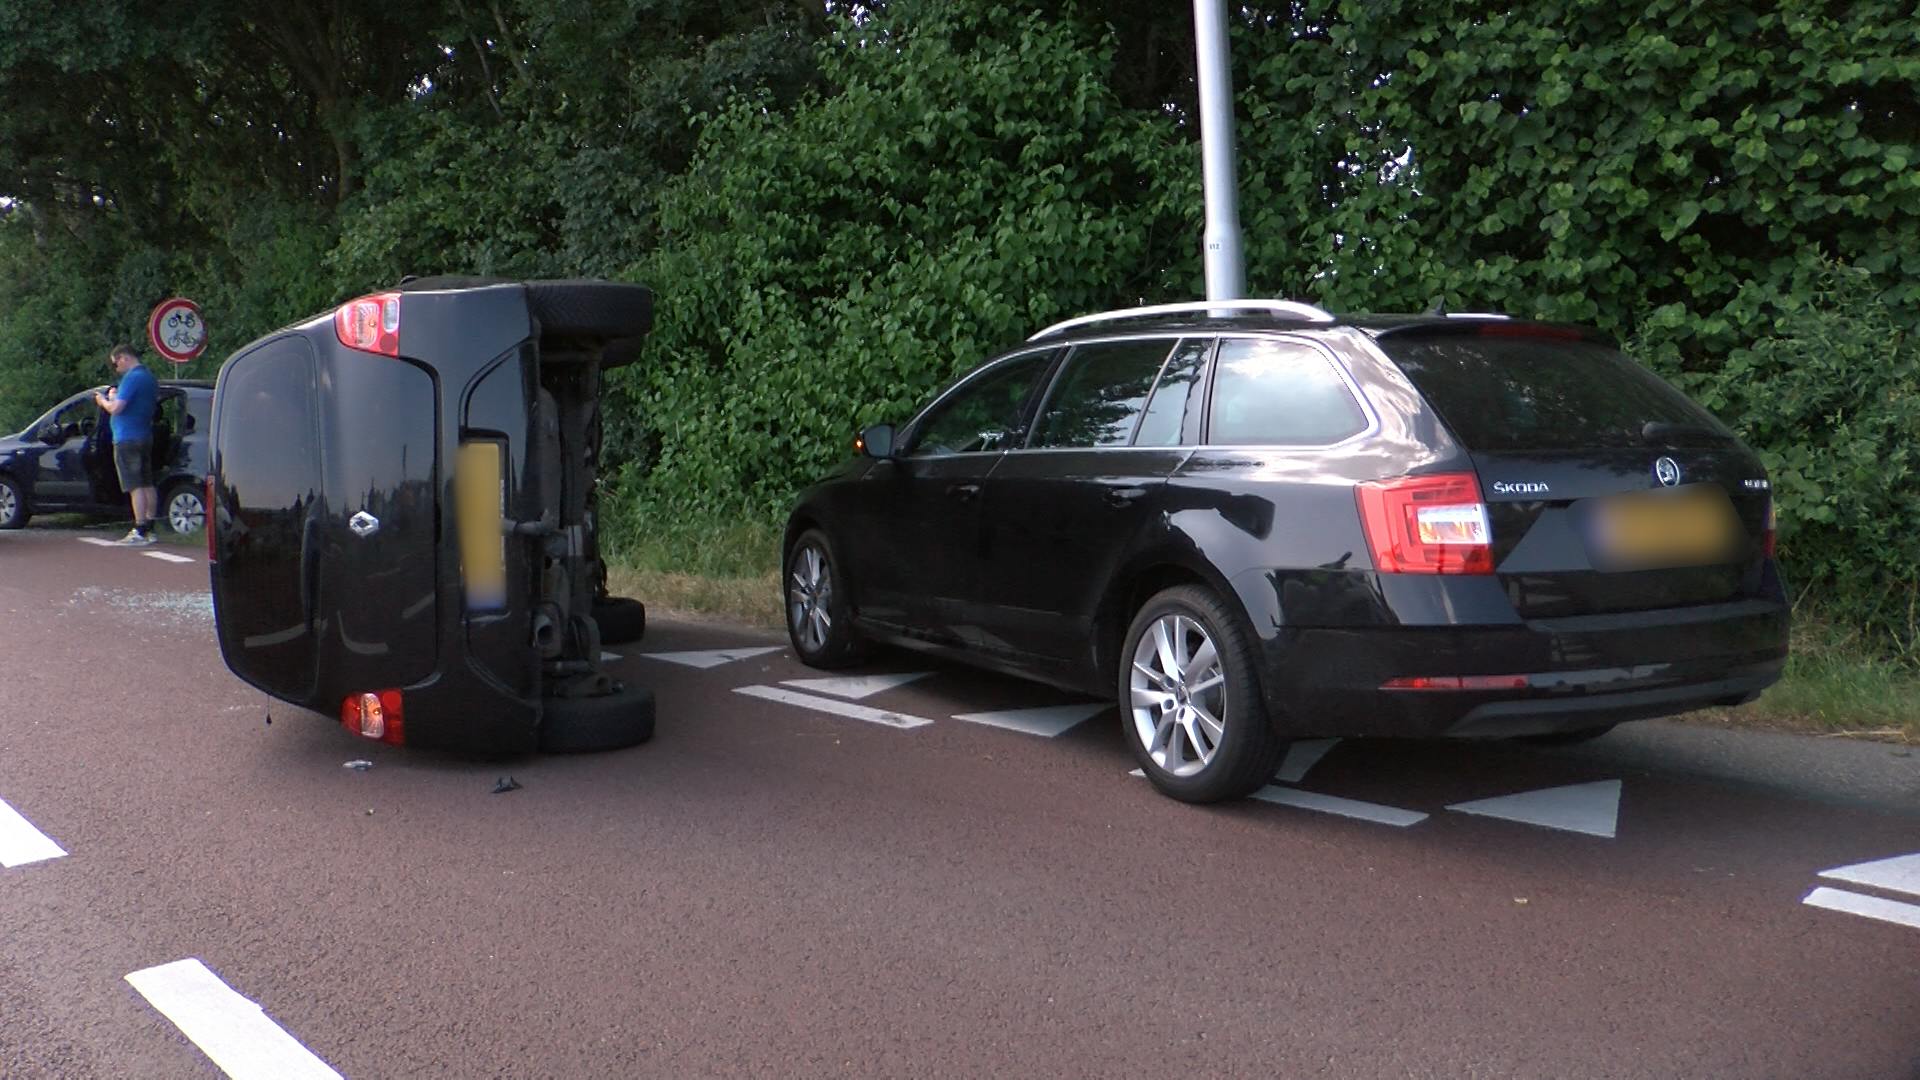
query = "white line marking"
{"x": 838, "y": 708}
{"x": 1302, "y": 756}
{"x": 1330, "y": 804}
{"x": 166, "y": 557}
{"x": 1051, "y": 722}
{"x": 854, "y": 687}
{"x": 710, "y": 659}
{"x": 97, "y": 542}
{"x": 233, "y": 1031}
{"x": 1593, "y": 809}
{"x": 1899, "y": 874}
{"x": 1333, "y": 804}
{"x": 20, "y": 842}
{"x": 1872, "y": 907}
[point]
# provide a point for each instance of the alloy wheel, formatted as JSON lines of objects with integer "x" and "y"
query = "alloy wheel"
{"x": 809, "y": 597}
{"x": 1178, "y": 691}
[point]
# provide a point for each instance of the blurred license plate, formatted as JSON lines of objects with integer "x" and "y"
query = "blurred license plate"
{"x": 1688, "y": 526}
{"x": 478, "y": 498}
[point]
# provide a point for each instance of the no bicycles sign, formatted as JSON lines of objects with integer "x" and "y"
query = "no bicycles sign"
{"x": 177, "y": 330}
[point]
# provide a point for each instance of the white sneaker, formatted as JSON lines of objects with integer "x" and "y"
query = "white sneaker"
{"x": 134, "y": 539}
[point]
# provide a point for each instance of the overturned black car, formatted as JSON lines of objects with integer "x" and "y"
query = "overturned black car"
{"x": 402, "y": 523}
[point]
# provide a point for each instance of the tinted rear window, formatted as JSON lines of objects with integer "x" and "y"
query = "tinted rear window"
{"x": 1538, "y": 393}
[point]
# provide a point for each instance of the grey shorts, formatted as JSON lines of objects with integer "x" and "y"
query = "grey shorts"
{"x": 133, "y": 460}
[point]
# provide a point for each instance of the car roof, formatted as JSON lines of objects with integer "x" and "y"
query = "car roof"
{"x": 1123, "y": 322}
{"x": 189, "y": 384}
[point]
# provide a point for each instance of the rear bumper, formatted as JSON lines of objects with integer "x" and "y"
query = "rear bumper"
{"x": 1565, "y": 674}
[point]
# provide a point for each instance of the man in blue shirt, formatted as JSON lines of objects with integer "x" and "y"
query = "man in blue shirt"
{"x": 132, "y": 404}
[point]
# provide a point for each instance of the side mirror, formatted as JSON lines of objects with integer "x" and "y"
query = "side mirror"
{"x": 876, "y": 441}
{"x": 51, "y": 435}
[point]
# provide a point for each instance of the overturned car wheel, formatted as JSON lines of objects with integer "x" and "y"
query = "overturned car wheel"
{"x": 590, "y": 724}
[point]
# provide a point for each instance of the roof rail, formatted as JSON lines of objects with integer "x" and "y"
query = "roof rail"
{"x": 1276, "y": 307}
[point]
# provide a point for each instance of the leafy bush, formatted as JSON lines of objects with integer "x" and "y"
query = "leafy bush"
{"x": 1828, "y": 393}
{"x": 966, "y": 177}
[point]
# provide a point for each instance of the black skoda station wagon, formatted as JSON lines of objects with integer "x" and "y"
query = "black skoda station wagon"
{"x": 402, "y": 528}
{"x": 1252, "y": 521}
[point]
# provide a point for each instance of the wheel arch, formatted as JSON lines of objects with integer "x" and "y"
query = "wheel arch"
{"x": 1140, "y": 582}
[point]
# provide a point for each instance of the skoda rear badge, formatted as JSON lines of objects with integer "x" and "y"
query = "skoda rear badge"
{"x": 1667, "y": 471}
{"x": 364, "y": 524}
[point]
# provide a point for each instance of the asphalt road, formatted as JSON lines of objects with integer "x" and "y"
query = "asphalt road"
{"x": 803, "y": 880}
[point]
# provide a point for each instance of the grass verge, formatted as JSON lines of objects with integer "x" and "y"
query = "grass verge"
{"x": 1834, "y": 685}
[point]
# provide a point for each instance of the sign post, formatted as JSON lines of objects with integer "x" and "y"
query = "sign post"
{"x": 177, "y": 331}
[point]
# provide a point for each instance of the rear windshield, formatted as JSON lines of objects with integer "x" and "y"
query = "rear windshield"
{"x": 1543, "y": 393}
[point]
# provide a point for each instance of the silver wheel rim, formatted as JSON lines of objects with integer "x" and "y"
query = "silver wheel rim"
{"x": 9, "y": 502}
{"x": 185, "y": 514}
{"x": 809, "y": 595}
{"x": 1178, "y": 695}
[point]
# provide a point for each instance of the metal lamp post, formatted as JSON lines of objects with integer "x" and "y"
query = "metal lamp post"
{"x": 1226, "y": 272}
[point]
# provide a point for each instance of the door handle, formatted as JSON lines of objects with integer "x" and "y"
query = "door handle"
{"x": 964, "y": 492}
{"x": 1121, "y": 498}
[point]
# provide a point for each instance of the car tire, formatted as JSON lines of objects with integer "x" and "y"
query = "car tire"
{"x": 13, "y": 504}
{"x": 185, "y": 504}
{"x": 819, "y": 617}
{"x": 588, "y": 725}
{"x": 622, "y": 619}
{"x": 607, "y": 310}
{"x": 1190, "y": 703}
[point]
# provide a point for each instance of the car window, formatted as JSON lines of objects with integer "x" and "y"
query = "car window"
{"x": 983, "y": 414}
{"x": 1100, "y": 393}
{"x": 1173, "y": 413}
{"x": 77, "y": 417}
{"x": 1518, "y": 392}
{"x": 1269, "y": 392}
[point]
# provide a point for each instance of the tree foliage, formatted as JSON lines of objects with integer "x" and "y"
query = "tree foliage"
{"x": 842, "y": 205}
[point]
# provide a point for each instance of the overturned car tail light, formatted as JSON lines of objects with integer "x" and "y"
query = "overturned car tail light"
{"x": 370, "y": 324}
{"x": 1427, "y": 525}
{"x": 375, "y": 715}
{"x": 1769, "y": 538}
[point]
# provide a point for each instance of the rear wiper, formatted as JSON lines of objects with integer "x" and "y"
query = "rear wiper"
{"x": 1663, "y": 431}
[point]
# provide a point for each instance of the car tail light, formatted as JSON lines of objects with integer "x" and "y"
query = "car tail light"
{"x": 1427, "y": 525}
{"x": 1769, "y": 534}
{"x": 375, "y": 715}
{"x": 370, "y": 324}
{"x": 1457, "y": 682}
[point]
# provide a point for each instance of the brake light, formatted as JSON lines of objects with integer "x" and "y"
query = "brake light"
{"x": 370, "y": 324}
{"x": 1767, "y": 536}
{"x": 375, "y": 715}
{"x": 1427, "y": 525}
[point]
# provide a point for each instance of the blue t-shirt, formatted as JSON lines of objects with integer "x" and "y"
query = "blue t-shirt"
{"x": 134, "y": 421}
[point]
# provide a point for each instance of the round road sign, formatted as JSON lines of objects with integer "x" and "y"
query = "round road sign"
{"x": 177, "y": 330}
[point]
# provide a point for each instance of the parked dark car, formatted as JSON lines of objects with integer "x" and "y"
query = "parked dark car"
{"x": 1255, "y": 522}
{"x": 63, "y": 462}
{"x": 403, "y": 533}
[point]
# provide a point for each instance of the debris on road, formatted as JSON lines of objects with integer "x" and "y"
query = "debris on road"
{"x": 358, "y": 766}
{"x": 505, "y": 784}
